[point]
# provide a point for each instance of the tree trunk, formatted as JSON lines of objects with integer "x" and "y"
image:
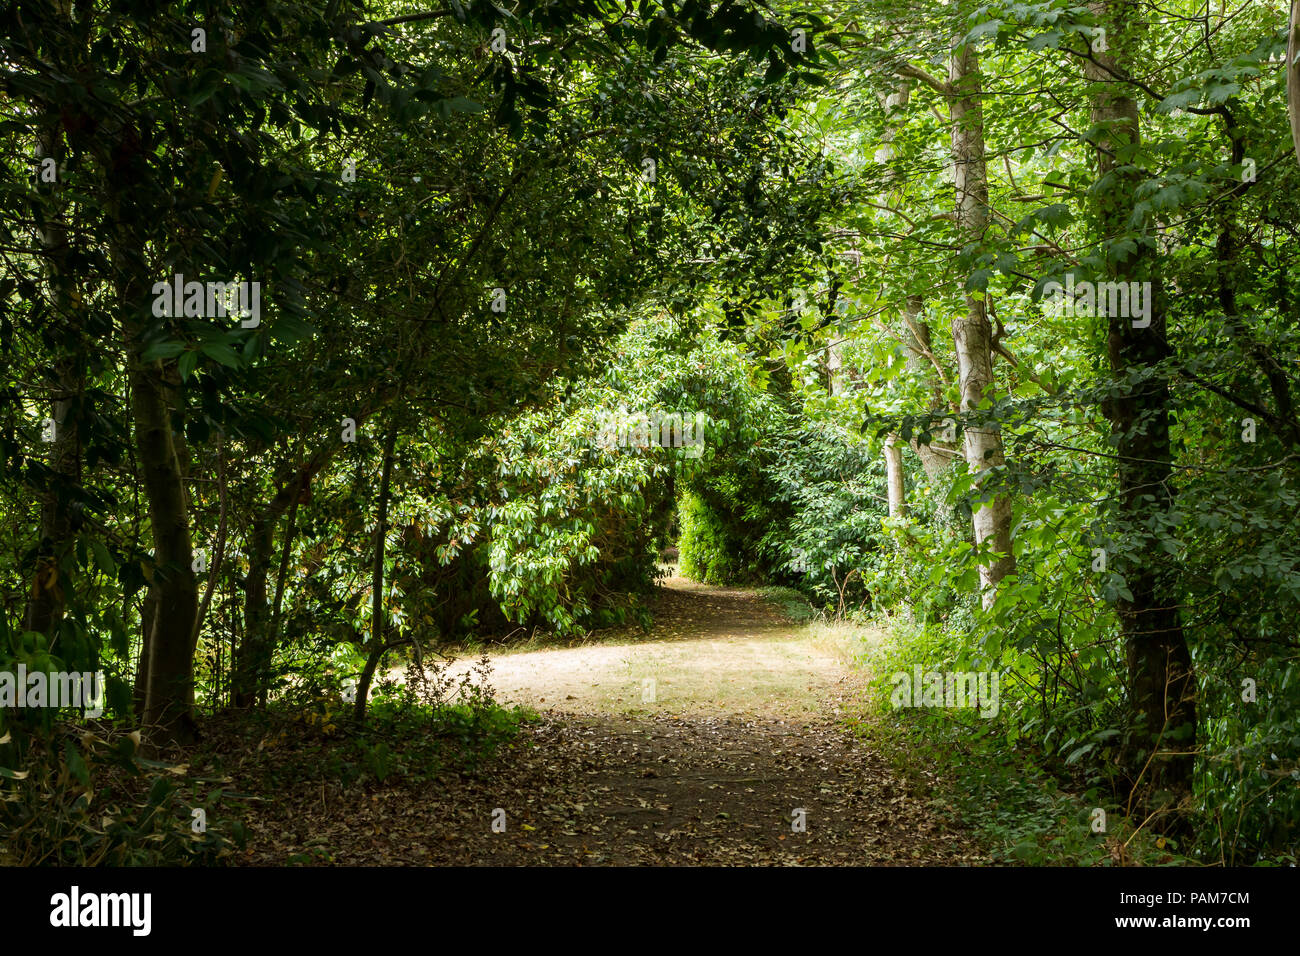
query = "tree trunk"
{"x": 252, "y": 658}
{"x": 912, "y": 331}
{"x": 148, "y": 615}
{"x": 1162, "y": 684}
{"x": 219, "y": 551}
{"x": 894, "y": 474}
{"x": 168, "y": 649}
{"x": 67, "y": 380}
{"x": 1293, "y": 76}
{"x": 286, "y": 552}
{"x": 377, "y": 629}
{"x": 972, "y": 333}
{"x": 261, "y": 617}
{"x": 168, "y": 717}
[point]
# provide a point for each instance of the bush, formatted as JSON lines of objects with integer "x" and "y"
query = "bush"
{"x": 706, "y": 550}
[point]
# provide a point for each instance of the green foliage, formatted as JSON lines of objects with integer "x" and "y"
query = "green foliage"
{"x": 1028, "y": 807}
{"x": 459, "y": 242}
{"x": 89, "y": 799}
{"x": 705, "y": 547}
{"x": 829, "y": 537}
{"x": 792, "y": 602}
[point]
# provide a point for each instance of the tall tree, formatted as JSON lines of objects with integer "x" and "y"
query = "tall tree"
{"x": 1162, "y": 685}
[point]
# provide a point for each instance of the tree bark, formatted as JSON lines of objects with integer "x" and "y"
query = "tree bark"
{"x": 148, "y": 614}
{"x": 252, "y": 655}
{"x": 377, "y": 629}
{"x": 168, "y": 649}
{"x": 972, "y": 333}
{"x": 936, "y": 457}
{"x": 894, "y": 476}
{"x": 252, "y": 658}
{"x": 1293, "y": 76}
{"x": 1162, "y": 684}
{"x": 67, "y": 380}
{"x": 219, "y": 551}
{"x": 913, "y": 331}
{"x": 168, "y": 717}
{"x": 286, "y": 552}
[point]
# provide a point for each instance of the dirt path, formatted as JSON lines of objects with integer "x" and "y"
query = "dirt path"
{"x": 713, "y": 651}
{"x": 700, "y": 745}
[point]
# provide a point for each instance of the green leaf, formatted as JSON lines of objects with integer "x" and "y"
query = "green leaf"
{"x": 103, "y": 559}
{"x": 1179, "y": 100}
{"x": 162, "y": 350}
{"x": 209, "y": 83}
{"x": 1079, "y": 752}
{"x": 221, "y": 353}
{"x": 1051, "y": 40}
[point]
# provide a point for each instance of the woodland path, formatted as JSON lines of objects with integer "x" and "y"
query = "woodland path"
{"x": 747, "y": 723}
{"x": 751, "y": 718}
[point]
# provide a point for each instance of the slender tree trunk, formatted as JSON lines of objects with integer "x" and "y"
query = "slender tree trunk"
{"x": 1293, "y": 76}
{"x": 214, "y": 570}
{"x": 257, "y": 650}
{"x": 913, "y": 331}
{"x": 155, "y": 389}
{"x": 219, "y": 551}
{"x": 378, "y": 636}
{"x": 972, "y": 333}
{"x": 252, "y": 658}
{"x": 67, "y": 383}
{"x": 148, "y": 614}
{"x": 286, "y": 552}
{"x": 893, "y": 454}
{"x": 1162, "y": 685}
{"x": 894, "y": 475}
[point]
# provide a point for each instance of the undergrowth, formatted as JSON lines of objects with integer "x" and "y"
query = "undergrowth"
{"x": 1025, "y": 806}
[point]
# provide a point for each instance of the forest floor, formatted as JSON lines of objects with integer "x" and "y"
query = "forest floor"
{"x": 701, "y": 742}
